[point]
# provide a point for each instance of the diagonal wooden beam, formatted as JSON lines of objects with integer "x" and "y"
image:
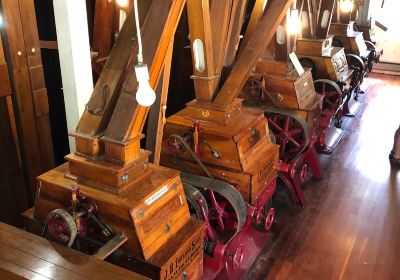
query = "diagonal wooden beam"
{"x": 220, "y": 11}
{"x": 158, "y": 31}
{"x": 308, "y": 32}
{"x": 247, "y": 59}
{"x": 235, "y": 26}
{"x": 157, "y": 114}
{"x": 93, "y": 122}
{"x": 322, "y": 31}
{"x": 255, "y": 17}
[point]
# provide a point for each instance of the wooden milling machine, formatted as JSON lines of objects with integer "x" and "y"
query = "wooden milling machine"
{"x": 348, "y": 36}
{"x": 334, "y": 77}
{"x": 293, "y": 108}
{"x": 108, "y": 200}
{"x": 224, "y": 150}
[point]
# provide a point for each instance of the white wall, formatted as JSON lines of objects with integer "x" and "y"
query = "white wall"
{"x": 389, "y": 16}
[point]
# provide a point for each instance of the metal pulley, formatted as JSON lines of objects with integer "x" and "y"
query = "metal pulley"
{"x": 65, "y": 226}
{"x": 62, "y": 227}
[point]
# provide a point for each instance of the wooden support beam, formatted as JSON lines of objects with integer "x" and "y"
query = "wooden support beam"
{"x": 204, "y": 76}
{"x": 111, "y": 245}
{"x": 157, "y": 118}
{"x": 220, "y": 12}
{"x": 27, "y": 83}
{"x": 12, "y": 185}
{"x": 255, "y": 17}
{"x": 37, "y": 81}
{"x": 247, "y": 59}
{"x": 103, "y": 31}
{"x": 322, "y": 31}
{"x": 308, "y": 31}
{"x": 51, "y": 45}
{"x": 235, "y": 26}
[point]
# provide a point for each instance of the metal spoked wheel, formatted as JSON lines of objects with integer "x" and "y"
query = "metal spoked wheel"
{"x": 309, "y": 63}
{"x": 266, "y": 217}
{"x": 291, "y": 133}
{"x": 337, "y": 43}
{"x": 62, "y": 227}
{"x": 219, "y": 205}
{"x": 333, "y": 100}
{"x": 371, "y": 46}
{"x": 196, "y": 201}
{"x": 355, "y": 62}
{"x": 254, "y": 89}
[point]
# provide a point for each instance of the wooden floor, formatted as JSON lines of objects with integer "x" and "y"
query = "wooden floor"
{"x": 350, "y": 228}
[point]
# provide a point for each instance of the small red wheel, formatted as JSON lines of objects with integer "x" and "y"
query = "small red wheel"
{"x": 303, "y": 172}
{"x": 269, "y": 219}
{"x": 254, "y": 89}
{"x": 174, "y": 146}
{"x": 61, "y": 226}
{"x": 236, "y": 256}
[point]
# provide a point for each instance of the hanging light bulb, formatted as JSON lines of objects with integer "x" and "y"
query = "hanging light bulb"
{"x": 122, "y": 3}
{"x": 1, "y": 20}
{"x": 346, "y": 5}
{"x": 293, "y": 24}
{"x": 145, "y": 95}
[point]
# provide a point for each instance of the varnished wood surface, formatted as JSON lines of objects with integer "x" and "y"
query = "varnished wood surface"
{"x": 27, "y": 256}
{"x": 350, "y": 228}
{"x": 249, "y": 56}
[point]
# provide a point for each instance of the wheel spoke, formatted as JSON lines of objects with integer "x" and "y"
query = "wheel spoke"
{"x": 295, "y": 132}
{"x": 323, "y": 88}
{"x": 283, "y": 146}
{"x": 294, "y": 142}
{"x": 275, "y": 125}
{"x": 286, "y": 128}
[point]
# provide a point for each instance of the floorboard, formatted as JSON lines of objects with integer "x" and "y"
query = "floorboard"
{"x": 350, "y": 228}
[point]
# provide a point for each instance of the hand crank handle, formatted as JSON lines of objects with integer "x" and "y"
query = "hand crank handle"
{"x": 106, "y": 230}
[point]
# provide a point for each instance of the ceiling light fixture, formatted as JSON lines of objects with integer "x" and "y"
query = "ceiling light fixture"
{"x": 122, "y": 3}
{"x": 145, "y": 95}
{"x": 293, "y": 23}
{"x": 346, "y": 5}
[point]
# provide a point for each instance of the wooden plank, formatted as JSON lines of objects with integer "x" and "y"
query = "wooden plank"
{"x": 128, "y": 118}
{"x": 38, "y": 86}
{"x": 220, "y": 14}
{"x": 22, "y": 252}
{"x": 5, "y": 87}
{"x": 310, "y": 31}
{"x": 252, "y": 52}
{"x": 19, "y": 74}
{"x": 14, "y": 128}
{"x": 157, "y": 118}
{"x": 235, "y": 26}
{"x": 255, "y": 17}
{"x": 112, "y": 245}
{"x": 51, "y": 45}
{"x": 104, "y": 14}
{"x": 12, "y": 185}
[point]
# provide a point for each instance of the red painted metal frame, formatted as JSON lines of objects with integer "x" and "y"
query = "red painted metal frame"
{"x": 234, "y": 259}
{"x": 293, "y": 177}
